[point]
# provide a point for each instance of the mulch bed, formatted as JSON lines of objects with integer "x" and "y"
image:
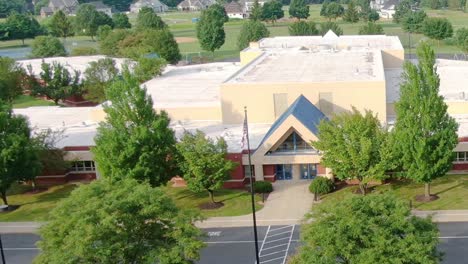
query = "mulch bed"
{"x": 210, "y": 205}
{"x": 423, "y": 198}
{"x": 10, "y": 208}
{"x": 36, "y": 190}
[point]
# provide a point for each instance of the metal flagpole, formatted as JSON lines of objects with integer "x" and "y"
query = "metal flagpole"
{"x": 251, "y": 188}
{"x": 1, "y": 250}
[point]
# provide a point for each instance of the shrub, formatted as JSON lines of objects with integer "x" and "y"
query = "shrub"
{"x": 251, "y": 31}
{"x": 371, "y": 29}
{"x": 84, "y": 51}
{"x": 321, "y": 185}
{"x": 147, "y": 68}
{"x": 47, "y": 46}
{"x": 333, "y": 26}
{"x": 263, "y": 187}
{"x": 303, "y": 28}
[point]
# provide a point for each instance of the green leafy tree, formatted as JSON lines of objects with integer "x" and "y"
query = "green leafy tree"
{"x": 103, "y": 31}
{"x": 47, "y": 46}
{"x": 272, "y": 11}
{"x": 11, "y": 6}
{"x": 97, "y": 77}
{"x": 18, "y": 156}
{"x": 330, "y": 25}
{"x": 371, "y": 29}
{"x": 119, "y": 222}
{"x": 204, "y": 163}
{"x": 121, "y": 20}
{"x": 148, "y": 68}
{"x": 60, "y": 26}
{"x": 303, "y": 28}
{"x": 57, "y": 82}
{"x": 84, "y": 51}
{"x": 461, "y": 38}
{"x": 251, "y": 31}
{"x": 135, "y": 141}
{"x": 373, "y": 15}
{"x": 147, "y": 19}
{"x": 210, "y": 29}
{"x": 88, "y": 20}
{"x": 110, "y": 44}
{"x": 402, "y": 9}
{"x": 425, "y": 132}
{"x": 413, "y": 21}
{"x": 364, "y": 9}
{"x": 437, "y": 28}
{"x": 368, "y": 229}
{"x": 219, "y": 11}
{"x": 352, "y": 145}
{"x": 21, "y": 26}
{"x": 299, "y": 9}
{"x": 119, "y": 5}
{"x": 462, "y": 4}
{"x": 332, "y": 10}
{"x": 263, "y": 187}
{"x": 11, "y": 78}
{"x": 256, "y": 12}
{"x": 351, "y": 14}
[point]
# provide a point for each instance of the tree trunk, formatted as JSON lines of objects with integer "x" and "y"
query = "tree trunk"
{"x": 211, "y": 196}
{"x": 263, "y": 197}
{"x": 316, "y": 197}
{"x": 362, "y": 187}
{"x": 427, "y": 190}
{"x": 4, "y": 198}
{"x": 22, "y": 40}
{"x": 56, "y": 101}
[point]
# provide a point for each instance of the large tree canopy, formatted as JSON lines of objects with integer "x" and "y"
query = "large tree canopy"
{"x": 352, "y": 145}
{"x": 18, "y": 155}
{"x": 60, "y": 25}
{"x": 135, "y": 141}
{"x": 148, "y": 19}
{"x": 88, "y": 20}
{"x": 368, "y": 230}
{"x": 299, "y": 9}
{"x": 11, "y": 79}
{"x": 425, "y": 132}
{"x": 251, "y": 31}
{"x": 97, "y": 77}
{"x": 21, "y": 26}
{"x": 210, "y": 29}
{"x": 119, "y": 222}
{"x": 204, "y": 163}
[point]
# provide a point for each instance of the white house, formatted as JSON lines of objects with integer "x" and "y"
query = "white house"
{"x": 386, "y": 8}
{"x": 156, "y": 5}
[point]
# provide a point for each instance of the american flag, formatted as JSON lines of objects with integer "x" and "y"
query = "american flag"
{"x": 244, "y": 135}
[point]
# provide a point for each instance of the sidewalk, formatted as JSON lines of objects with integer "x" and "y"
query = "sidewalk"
{"x": 19, "y": 227}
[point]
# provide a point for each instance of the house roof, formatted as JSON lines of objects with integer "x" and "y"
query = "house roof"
{"x": 147, "y": 3}
{"x": 304, "y": 111}
{"x": 99, "y": 5}
{"x": 63, "y": 3}
{"x": 233, "y": 7}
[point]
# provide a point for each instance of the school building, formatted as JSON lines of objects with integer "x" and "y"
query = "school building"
{"x": 288, "y": 84}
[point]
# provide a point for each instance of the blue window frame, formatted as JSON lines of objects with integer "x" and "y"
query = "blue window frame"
{"x": 308, "y": 171}
{"x": 284, "y": 172}
{"x": 294, "y": 143}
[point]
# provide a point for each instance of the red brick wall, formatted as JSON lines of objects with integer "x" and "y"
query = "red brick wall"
{"x": 81, "y": 176}
{"x": 320, "y": 169}
{"x": 44, "y": 180}
{"x": 460, "y": 166}
{"x": 77, "y": 148}
{"x": 269, "y": 170}
{"x": 238, "y": 172}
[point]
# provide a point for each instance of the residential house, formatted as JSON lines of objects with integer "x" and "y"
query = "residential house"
{"x": 194, "y": 5}
{"x": 156, "y": 5}
{"x": 67, "y": 6}
{"x": 100, "y": 6}
{"x": 386, "y": 8}
{"x": 240, "y": 9}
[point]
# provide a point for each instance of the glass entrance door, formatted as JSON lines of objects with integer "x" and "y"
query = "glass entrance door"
{"x": 284, "y": 172}
{"x": 308, "y": 171}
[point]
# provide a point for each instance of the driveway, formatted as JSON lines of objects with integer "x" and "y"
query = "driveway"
{"x": 286, "y": 205}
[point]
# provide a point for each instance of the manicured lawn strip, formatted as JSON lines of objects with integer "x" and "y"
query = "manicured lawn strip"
{"x": 24, "y": 101}
{"x": 236, "y": 202}
{"x": 34, "y": 207}
{"x": 451, "y": 189}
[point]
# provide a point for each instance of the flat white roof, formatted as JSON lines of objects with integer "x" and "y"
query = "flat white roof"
{"x": 381, "y": 42}
{"x": 303, "y": 65}
{"x": 190, "y": 86}
{"x": 79, "y": 130}
{"x": 453, "y": 81}
{"x": 78, "y": 63}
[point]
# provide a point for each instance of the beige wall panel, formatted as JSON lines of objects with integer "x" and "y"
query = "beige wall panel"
{"x": 259, "y": 98}
{"x": 454, "y": 108}
{"x": 248, "y": 56}
{"x": 393, "y": 58}
{"x": 462, "y": 146}
{"x": 79, "y": 155}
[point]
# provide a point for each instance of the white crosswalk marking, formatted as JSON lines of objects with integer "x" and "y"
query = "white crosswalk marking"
{"x": 275, "y": 245}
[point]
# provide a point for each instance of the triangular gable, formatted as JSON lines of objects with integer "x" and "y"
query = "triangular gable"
{"x": 302, "y": 116}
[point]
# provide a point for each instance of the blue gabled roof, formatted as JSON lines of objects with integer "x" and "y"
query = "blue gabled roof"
{"x": 302, "y": 109}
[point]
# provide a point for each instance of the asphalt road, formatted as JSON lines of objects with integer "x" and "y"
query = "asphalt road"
{"x": 235, "y": 245}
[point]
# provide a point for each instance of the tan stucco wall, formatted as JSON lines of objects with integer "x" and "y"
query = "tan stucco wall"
{"x": 462, "y": 146}
{"x": 247, "y": 56}
{"x": 393, "y": 58}
{"x": 78, "y": 155}
{"x": 260, "y": 104}
{"x": 454, "y": 108}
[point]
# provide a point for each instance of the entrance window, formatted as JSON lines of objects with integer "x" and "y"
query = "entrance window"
{"x": 83, "y": 166}
{"x": 284, "y": 172}
{"x": 249, "y": 171}
{"x": 308, "y": 171}
{"x": 294, "y": 143}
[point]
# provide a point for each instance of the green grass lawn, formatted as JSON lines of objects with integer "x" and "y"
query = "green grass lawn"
{"x": 236, "y": 202}
{"x": 24, "y": 101}
{"x": 451, "y": 189}
{"x": 34, "y": 207}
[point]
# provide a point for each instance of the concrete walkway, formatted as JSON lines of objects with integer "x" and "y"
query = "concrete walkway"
{"x": 286, "y": 205}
